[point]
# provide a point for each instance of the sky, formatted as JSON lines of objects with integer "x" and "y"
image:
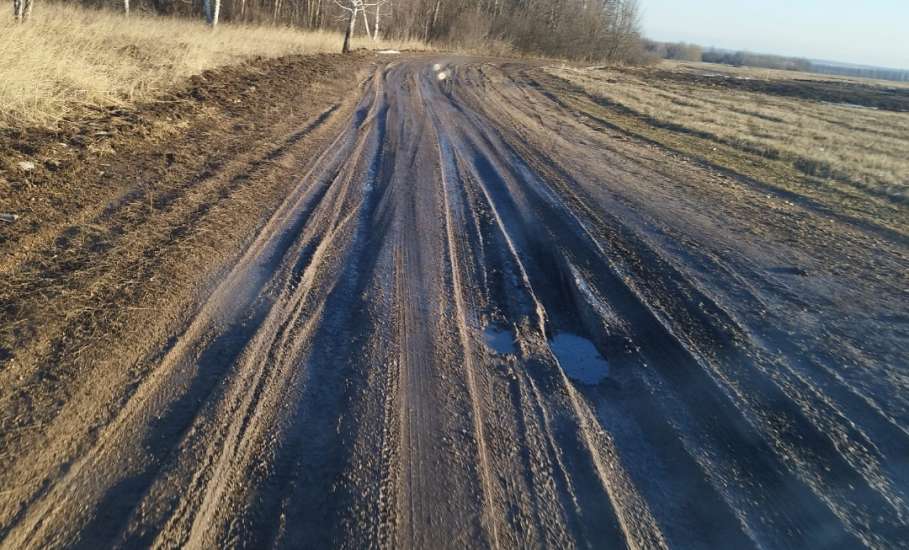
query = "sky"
{"x": 867, "y": 32}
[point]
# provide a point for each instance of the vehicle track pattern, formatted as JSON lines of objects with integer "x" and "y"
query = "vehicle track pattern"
{"x": 337, "y": 390}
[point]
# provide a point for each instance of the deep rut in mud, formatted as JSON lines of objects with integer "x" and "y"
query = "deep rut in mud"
{"x": 478, "y": 321}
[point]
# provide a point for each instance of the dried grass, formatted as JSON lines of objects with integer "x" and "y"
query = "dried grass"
{"x": 66, "y": 58}
{"x": 864, "y": 147}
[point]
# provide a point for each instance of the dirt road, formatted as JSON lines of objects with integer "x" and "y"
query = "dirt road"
{"x": 480, "y": 318}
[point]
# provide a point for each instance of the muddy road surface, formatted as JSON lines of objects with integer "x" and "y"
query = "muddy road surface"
{"x": 481, "y": 318}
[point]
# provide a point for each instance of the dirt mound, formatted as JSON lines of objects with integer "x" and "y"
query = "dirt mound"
{"x": 69, "y": 161}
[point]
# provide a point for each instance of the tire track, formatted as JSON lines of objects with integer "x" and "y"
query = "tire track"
{"x": 379, "y": 369}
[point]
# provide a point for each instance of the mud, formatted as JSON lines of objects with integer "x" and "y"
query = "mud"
{"x": 452, "y": 312}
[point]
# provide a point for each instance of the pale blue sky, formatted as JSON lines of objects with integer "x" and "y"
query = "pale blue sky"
{"x": 870, "y": 32}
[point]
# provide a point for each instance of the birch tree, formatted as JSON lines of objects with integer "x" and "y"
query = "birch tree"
{"x": 377, "y": 5}
{"x": 212, "y": 9}
{"x": 606, "y": 30}
{"x": 365, "y": 18}
{"x": 22, "y": 10}
{"x": 351, "y": 8}
{"x": 375, "y": 29}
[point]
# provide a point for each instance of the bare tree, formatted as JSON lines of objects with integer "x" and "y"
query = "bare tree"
{"x": 377, "y": 5}
{"x": 431, "y": 24}
{"x": 606, "y": 30}
{"x": 351, "y": 8}
{"x": 22, "y": 10}
{"x": 375, "y": 29}
{"x": 212, "y": 9}
{"x": 365, "y": 19}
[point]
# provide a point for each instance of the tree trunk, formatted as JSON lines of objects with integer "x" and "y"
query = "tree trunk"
{"x": 375, "y": 29}
{"x": 365, "y": 20}
{"x": 432, "y": 22}
{"x": 350, "y": 29}
{"x": 126, "y": 7}
{"x": 212, "y": 10}
{"x": 21, "y": 10}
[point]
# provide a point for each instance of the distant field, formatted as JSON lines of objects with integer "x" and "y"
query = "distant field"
{"x": 840, "y": 140}
{"x": 66, "y": 58}
{"x": 775, "y": 74}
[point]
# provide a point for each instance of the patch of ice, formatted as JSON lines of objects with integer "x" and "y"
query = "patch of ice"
{"x": 499, "y": 339}
{"x": 579, "y": 358}
{"x": 388, "y": 52}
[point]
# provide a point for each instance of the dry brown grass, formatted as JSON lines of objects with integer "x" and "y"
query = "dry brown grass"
{"x": 865, "y": 148}
{"x": 67, "y": 57}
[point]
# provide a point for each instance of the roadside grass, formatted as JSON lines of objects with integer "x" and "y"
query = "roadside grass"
{"x": 856, "y": 156}
{"x": 67, "y": 58}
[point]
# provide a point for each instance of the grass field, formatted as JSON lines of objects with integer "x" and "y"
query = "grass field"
{"x": 66, "y": 58}
{"x": 841, "y": 144}
{"x": 846, "y": 131}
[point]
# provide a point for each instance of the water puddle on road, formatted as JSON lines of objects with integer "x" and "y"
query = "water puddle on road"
{"x": 579, "y": 358}
{"x": 500, "y": 339}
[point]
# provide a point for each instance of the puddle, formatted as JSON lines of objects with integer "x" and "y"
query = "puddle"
{"x": 499, "y": 339}
{"x": 579, "y": 358}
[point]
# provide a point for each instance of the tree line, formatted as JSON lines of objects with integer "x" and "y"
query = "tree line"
{"x": 593, "y": 30}
{"x": 764, "y": 61}
{"x": 682, "y": 51}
